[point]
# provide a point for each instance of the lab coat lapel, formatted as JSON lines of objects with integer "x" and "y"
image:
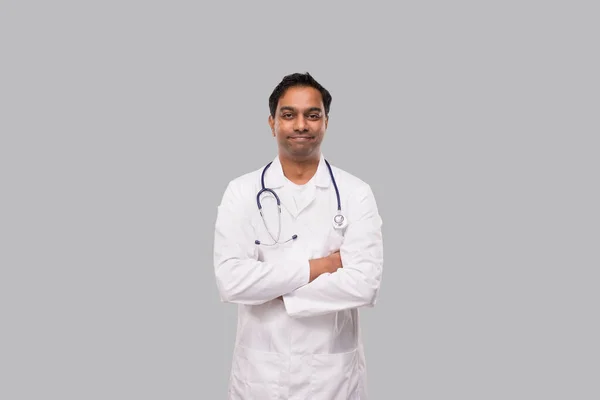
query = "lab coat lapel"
{"x": 308, "y": 198}
{"x": 277, "y": 179}
{"x": 287, "y": 201}
{"x": 319, "y": 182}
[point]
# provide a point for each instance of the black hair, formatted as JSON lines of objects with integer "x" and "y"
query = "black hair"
{"x": 298, "y": 79}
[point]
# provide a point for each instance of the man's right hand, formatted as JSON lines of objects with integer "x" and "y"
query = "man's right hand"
{"x": 324, "y": 265}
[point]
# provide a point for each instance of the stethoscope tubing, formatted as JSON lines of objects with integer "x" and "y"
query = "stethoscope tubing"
{"x": 265, "y": 189}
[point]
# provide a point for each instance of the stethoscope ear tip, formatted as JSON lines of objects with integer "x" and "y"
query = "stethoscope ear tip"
{"x": 257, "y": 242}
{"x": 294, "y": 237}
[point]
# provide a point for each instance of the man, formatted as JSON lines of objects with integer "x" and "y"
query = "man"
{"x": 298, "y": 274}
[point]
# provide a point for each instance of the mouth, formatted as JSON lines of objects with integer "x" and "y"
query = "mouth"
{"x": 301, "y": 138}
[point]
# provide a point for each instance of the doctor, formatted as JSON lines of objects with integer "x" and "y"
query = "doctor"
{"x": 299, "y": 270}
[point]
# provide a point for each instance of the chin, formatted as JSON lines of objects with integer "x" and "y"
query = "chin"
{"x": 303, "y": 154}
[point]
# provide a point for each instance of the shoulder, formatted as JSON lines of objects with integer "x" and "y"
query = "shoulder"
{"x": 358, "y": 198}
{"x": 242, "y": 188}
{"x": 246, "y": 180}
{"x": 349, "y": 181}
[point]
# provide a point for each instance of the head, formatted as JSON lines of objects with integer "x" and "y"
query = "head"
{"x": 299, "y": 108}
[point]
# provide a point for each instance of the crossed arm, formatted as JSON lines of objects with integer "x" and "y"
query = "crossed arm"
{"x": 346, "y": 279}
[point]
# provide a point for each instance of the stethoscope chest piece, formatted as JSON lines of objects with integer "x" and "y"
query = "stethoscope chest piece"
{"x": 339, "y": 221}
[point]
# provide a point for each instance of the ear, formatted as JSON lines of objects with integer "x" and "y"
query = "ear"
{"x": 272, "y": 125}
{"x": 326, "y": 121}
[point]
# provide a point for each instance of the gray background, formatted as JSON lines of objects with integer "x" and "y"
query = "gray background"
{"x": 476, "y": 126}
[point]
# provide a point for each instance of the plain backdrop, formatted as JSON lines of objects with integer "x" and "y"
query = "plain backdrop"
{"x": 475, "y": 123}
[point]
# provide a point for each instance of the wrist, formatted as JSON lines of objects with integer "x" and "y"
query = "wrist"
{"x": 318, "y": 266}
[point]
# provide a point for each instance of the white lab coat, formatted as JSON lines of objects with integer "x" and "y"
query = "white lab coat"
{"x": 308, "y": 346}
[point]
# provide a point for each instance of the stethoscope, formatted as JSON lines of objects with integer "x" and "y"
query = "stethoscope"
{"x": 339, "y": 220}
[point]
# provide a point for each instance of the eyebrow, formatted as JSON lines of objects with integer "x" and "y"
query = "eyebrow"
{"x": 289, "y": 108}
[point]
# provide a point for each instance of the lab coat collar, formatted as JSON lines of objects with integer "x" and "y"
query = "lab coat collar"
{"x": 274, "y": 177}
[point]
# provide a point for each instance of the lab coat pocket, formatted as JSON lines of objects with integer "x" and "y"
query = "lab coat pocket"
{"x": 335, "y": 376}
{"x": 256, "y": 375}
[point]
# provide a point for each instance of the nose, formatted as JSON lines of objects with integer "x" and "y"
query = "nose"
{"x": 300, "y": 124}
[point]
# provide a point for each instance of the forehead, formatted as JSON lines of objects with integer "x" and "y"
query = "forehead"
{"x": 301, "y": 97}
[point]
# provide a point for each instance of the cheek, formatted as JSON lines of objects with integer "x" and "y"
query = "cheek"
{"x": 319, "y": 127}
{"x": 282, "y": 128}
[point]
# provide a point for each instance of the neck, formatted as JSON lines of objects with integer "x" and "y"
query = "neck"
{"x": 300, "y": 171}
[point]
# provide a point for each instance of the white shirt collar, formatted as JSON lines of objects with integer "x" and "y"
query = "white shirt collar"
{"x": 275, "y": 178}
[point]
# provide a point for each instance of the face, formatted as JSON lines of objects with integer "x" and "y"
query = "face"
{"x": 299, "y": 123}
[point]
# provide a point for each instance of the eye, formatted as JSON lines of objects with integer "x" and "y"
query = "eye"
{"x": 314, "y": 116}
{"x": 286, "y": 115}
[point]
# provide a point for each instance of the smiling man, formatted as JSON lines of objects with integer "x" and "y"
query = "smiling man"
{"x": 298, "y": 247}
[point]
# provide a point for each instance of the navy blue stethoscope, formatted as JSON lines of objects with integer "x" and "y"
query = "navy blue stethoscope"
{"x": 339, "y": 220}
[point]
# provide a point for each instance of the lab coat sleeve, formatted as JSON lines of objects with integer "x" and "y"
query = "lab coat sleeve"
{"x": 357, "y": 283}
{"x": 240, "y": 277}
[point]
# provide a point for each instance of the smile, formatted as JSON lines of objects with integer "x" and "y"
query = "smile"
{"x": 302, "y": 138}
